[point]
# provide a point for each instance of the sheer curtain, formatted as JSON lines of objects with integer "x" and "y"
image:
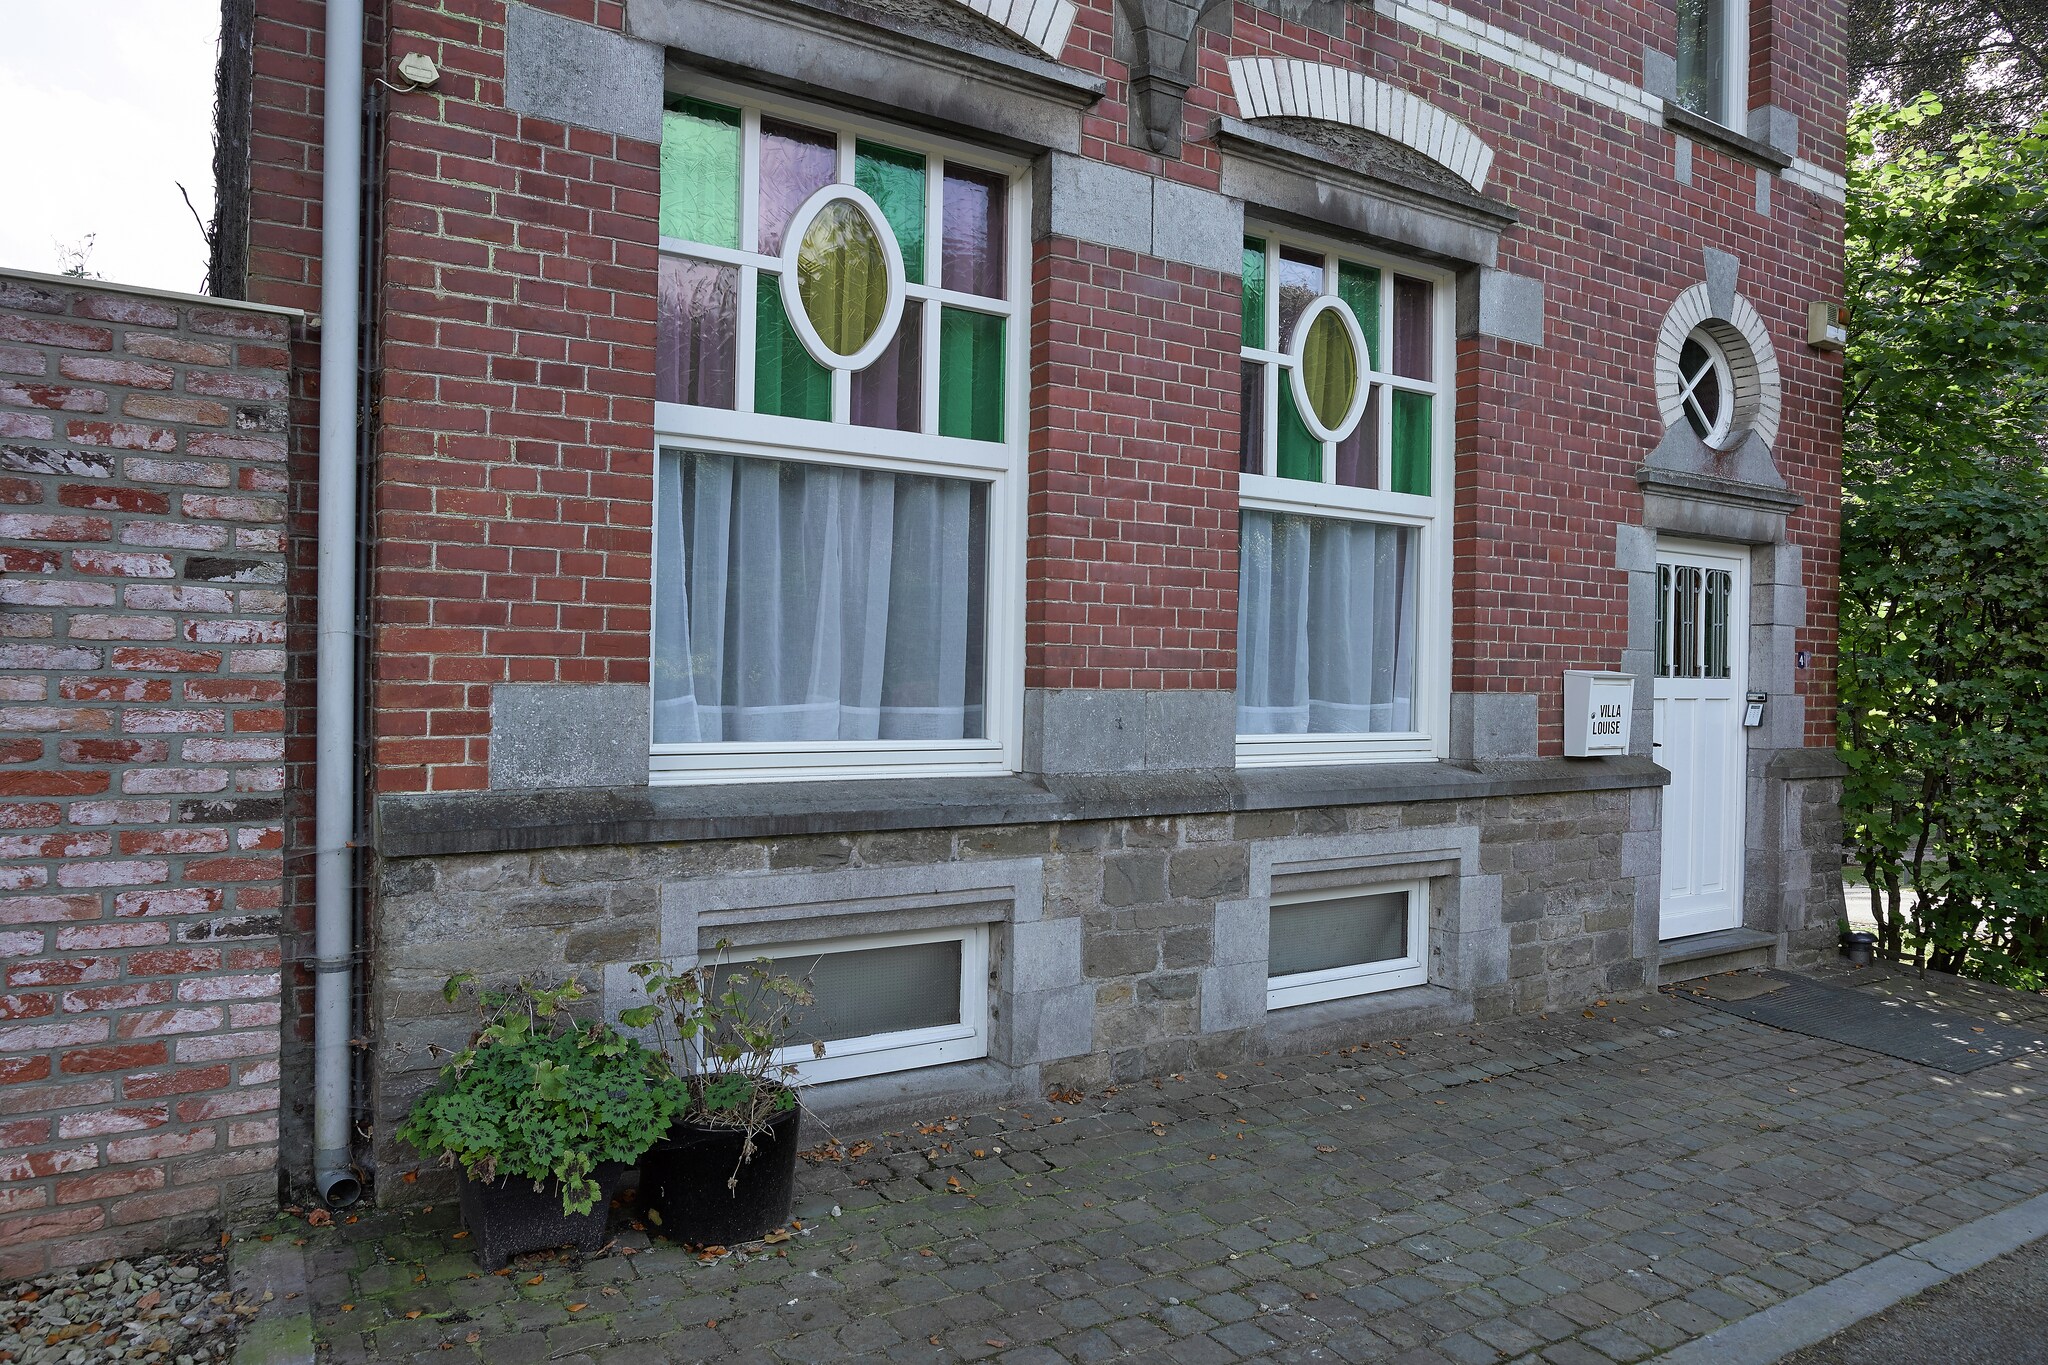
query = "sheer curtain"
{"x": 1325, "y": 626}
{"x": 808, "y": 602}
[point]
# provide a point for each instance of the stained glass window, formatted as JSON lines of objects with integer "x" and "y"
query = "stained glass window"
{"x": 1344, "y": 365}
{"x": 896, "y": 250}
{"x": 845, "y": 599}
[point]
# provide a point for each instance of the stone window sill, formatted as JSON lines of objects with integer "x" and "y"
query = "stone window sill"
{"x": 493, "y": 822}
{"x": 1720, "y": 136}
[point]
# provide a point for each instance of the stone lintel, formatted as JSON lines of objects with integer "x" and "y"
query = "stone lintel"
{"x": 858, "y": 55}
{"x": 1288, "y": 176}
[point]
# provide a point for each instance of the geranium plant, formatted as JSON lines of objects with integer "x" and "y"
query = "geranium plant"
{"x": 542, "y": 1095}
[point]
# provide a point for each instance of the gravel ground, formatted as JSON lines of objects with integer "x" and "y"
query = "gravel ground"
{"x": 159, "y": 1310}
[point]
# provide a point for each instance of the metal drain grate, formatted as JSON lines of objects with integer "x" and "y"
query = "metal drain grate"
{"x": 1910, "y": 1030}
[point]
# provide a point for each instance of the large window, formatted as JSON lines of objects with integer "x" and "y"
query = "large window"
{"x": 1713, "y": 59}
{"x": 1347, "y": 392}
{"x": 839, "y": 407}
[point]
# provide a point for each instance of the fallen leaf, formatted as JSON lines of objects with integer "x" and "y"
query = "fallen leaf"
{"x": 933, "y": 1340}
{"x": 348, "y": 1308}
{"x": 458, "y": 1236}
{"x": 776, "y": 1235}
{"x": 474, "y": 1337}
{"x": 1222, "y": 1075}
{"x": 978, "y": 1152}
{"x": 952, "y": 1183}
{"x": 413, "y": 1312}
{"x": 319, "y": 1218}
{"x": 578, "y": 1307}
{"x": 1326, "y": 1150}
{"x": 537, "y": 1279}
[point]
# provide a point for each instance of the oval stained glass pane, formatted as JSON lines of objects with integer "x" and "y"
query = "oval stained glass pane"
{"x": 843, "y": 277}
{"x": 1329, "y": 368}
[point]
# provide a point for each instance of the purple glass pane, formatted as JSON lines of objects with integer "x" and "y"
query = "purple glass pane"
{"x": 796, "y": 162}
{"x": 1411, "y": 327}
{"x": 696, "y": 332}
{"x": 974, "y": 212}
{"x": 886, "y": 393}
{"x": 1300, "y": 280}
{"x": 1251, "y": 420}
{"x": 1358, "y": 455}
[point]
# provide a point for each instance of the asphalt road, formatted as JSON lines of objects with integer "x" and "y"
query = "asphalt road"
{"x": 1994, "y": 1315}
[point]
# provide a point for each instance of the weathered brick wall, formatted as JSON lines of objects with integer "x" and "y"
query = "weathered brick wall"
{"x": 141, "y": 745}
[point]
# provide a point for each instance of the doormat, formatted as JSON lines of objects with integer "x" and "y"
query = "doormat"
{"x": 1910, "y": 1030}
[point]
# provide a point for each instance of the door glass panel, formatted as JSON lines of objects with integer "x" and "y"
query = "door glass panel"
{"x": 700, "y": 173}
{"x": 1663, "y": 620}
{"x": 1411, "y": 442}
{"x": 1251, "y": 419}
{"x": 1718, "y": 588}
{"x": 895, "y": 181}
{"x": 696, "y": 328}
{"x": 974, "y": 213}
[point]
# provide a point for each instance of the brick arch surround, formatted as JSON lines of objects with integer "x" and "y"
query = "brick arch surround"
{"x": 1042, "y": 23}
{"x": 1752, "y": 362}
{"x": 1287, "y": 87}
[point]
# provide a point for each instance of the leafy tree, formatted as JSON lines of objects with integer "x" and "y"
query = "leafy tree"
{"x": 1944, "y": 680}
{"x": 1986, "y": 61}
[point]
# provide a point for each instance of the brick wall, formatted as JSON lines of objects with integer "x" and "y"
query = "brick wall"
{"x": 141, "y": 781}
{"x": 1131, "y": 571}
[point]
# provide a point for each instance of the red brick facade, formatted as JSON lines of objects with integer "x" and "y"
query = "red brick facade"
{"x": 142, "y": 710}
{"x": 513, "y": 500}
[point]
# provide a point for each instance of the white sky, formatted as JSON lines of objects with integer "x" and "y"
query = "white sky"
{"x": 105, "y": 106}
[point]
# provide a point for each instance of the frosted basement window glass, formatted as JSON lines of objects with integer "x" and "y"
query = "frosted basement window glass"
{"x": 876, "y": 990}
{"x": 1344, "y": 931}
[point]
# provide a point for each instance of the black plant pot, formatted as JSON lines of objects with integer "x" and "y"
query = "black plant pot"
{"x": 1858, "y": 948}
{"x": 683, "y": 1182}
{"x": 509, "y": 1217}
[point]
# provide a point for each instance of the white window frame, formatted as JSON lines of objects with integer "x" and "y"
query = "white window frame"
{"x": 1717, "y": 361}
{"x": 1734, "y": 110}
{"x": 879, "y": 1054}
{"x": 1000, "y": 466}
{"x": 1431, "y": 516}
{"x": 1364, "y": 978}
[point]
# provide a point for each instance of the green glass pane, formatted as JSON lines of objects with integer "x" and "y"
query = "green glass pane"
{"x": 1411, "y": 442}
{"x": 787, "y": 382}
{"x": 700, "y": 172}
{"x": 1359, "y": 286}
{"x": 895, "y": 180}
{"x": 1254, "y": 292}
{"x": 1329, "y": 368}
{"x": 1301, "y": 455}
{"x": 970, "y": 375}
{"x": 842, "y": 276}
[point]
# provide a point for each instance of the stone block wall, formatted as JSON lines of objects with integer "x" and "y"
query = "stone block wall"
{"x": 141, "y": 747}
{"x": 1122, "y": 948}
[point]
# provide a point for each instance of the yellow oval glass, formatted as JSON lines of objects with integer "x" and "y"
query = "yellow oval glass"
{"x": 1329, "y": 368}
{"x": 842, "y": 276}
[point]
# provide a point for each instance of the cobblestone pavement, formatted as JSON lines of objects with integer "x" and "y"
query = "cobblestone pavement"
{"x": 1575, "y": 1190}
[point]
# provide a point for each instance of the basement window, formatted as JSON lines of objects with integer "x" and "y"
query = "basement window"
{"x": 1330, "y": 944}
{"x": 886, "y": 1002}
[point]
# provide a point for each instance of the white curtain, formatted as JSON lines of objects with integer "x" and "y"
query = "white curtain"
{"x": 807, "y": 602}
{"x": 1325, "y": 626}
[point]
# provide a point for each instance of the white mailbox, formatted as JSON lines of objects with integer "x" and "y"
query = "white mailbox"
{"x": 1597, "y": 707}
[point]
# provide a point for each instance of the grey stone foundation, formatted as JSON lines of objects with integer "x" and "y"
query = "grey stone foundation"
{"x": 1119, "y": 948}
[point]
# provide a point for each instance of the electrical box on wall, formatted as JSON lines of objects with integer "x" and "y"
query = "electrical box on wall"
{"x": 1827, "y": 326}
{"x": 1597, "y": 709}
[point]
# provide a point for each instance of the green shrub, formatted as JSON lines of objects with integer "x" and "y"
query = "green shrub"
{"x": 542, "y": 1096}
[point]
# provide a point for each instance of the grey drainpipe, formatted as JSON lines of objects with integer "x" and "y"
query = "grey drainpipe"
{"x": 334, "y": 812}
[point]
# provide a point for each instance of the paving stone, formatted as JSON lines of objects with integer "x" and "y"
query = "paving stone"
{"x": 1566, "y": 1191}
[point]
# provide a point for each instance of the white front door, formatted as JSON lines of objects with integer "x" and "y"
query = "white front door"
{"x": 1702, "y": 644}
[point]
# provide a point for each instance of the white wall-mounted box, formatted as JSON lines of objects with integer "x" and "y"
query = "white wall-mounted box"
{"x": 1597, "y": 708}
